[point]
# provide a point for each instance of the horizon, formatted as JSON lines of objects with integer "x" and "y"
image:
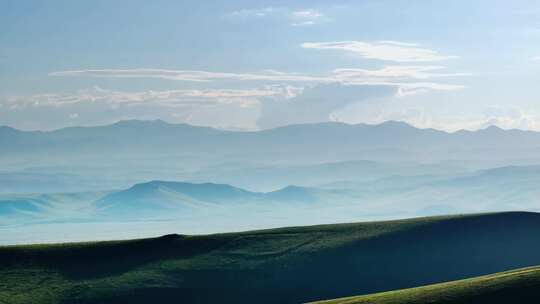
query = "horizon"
{"x": 272, "y": 128}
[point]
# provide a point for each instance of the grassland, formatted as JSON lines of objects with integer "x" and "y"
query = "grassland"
{"x": 516, "y": 286}
{"x": 288, "y": 265}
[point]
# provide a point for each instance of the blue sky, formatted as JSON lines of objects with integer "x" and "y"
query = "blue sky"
{"x": 262, "y": 64}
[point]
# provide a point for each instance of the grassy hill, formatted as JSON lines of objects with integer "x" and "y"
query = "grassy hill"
{"x": 516, "y": 286}
{"x": 288, "y": 265}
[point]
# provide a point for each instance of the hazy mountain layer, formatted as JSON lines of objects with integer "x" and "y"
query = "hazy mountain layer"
{"x": 161, "y": 207}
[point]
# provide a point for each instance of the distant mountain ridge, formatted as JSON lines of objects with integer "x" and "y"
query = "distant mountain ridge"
{"x": 331, "y": 140}
{"x": 158, "y": 123}
{"x": 157, "y": 197}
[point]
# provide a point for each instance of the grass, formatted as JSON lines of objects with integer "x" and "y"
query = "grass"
{"x": 516, "y": 286}
{"x": 288, "y": 265}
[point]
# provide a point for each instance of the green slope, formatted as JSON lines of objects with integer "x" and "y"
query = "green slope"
{"x": 288, "y": 265}
{"x": 516, "y": 286}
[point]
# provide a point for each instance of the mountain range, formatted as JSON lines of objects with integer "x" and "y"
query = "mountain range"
{"x": 310, "y": 142}
{"x": 117, "y": 156}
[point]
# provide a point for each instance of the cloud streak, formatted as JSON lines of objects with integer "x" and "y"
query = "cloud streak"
{"x": 187, "y": 75}
{"x": 307, "y": 17}
{"x": 382, "y": 50}
{"x": 400, "y": 76}
{"x": 171, "y": 98}
{"x": 409, "y": 78}
{"x": 304, "y": 17}
{"x": 398, "y": 72}
{"x": 257, "y": 12}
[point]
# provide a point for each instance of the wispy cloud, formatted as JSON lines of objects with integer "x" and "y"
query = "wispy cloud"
{"x": 275, "y": 95}
{"x": 257, "y": 12}
{"x": 304, "y": 17}
{"x": 307, "y": 17}
{"x": 382, "y": 50}
{"x": 187, "y": 75}
{"x": 400, "y": 76}
{"x": 399, "y": 71}
{"x": 173, "y": 98}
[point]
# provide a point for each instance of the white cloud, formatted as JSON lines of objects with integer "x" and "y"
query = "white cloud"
{"x": 187, "y": 75}
{"x": 537, "y": 58}
{"x": 510, "y": 118}
{"x": 171, "y": 98}
{"x": 302, "y": 17}
{"x": 399, "y": 71}
{"x": 257, "y": 12}
{"x": 408, "y": 89}
{"x": 317, "y": 103}
{"x": 279, "y": 97}
{"x": 307, "y": 14}
{"x": 307, "y": 17}
{"x": 382, "y": 50}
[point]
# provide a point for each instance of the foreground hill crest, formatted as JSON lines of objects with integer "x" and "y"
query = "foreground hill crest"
{"x": 287, "y": 265}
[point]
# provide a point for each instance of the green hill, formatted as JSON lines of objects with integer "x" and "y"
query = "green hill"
{"x": 288, "y": 265}
{"x": 516, "y": 286}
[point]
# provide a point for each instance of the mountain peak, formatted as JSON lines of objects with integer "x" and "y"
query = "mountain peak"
{"x": 493, "y": 128}
{"x": 207, "y": 191}
{"x": 395, "y": 123}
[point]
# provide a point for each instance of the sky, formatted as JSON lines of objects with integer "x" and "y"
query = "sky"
{"x": 250, "y": 65}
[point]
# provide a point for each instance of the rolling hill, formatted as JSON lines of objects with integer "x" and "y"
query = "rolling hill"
{"x": 515, "y": 286}
{"x": 159, "y": 196}
{"x": 182, "y": 195}
{"x": 287, "y": 265}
